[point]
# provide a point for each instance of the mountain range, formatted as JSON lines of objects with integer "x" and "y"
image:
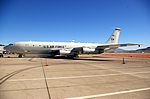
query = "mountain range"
{"x": 118, "y": 50}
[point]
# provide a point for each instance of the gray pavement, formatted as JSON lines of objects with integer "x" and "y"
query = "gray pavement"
{"x": 83, "y": 78}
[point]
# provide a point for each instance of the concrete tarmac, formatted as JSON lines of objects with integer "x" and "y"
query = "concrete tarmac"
{"x": 83, "y": 78}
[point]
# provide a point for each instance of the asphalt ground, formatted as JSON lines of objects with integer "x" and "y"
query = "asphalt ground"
{"x": 83, "y": 78}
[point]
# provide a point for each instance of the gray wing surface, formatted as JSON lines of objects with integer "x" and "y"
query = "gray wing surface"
{"x": 113, "y": 46}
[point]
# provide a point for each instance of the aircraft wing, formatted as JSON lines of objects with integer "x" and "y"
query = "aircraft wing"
{"x": 76, "y": 49}
{"x": 113, "y": 46}
{"x": 101, "y": 48}
{"x": 97, "y": 50}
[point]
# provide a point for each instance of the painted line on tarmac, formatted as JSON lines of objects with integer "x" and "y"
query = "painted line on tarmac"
{"x": 110, "y": 94}
{"x": 26, "y": 79}
{"x": 131, "y": 74}
{"x": 73, "y": 77}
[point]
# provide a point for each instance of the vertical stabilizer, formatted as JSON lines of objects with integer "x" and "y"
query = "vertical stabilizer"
{"x": 114, "y": 37}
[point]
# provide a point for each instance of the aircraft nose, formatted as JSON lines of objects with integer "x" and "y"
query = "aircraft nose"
{"x": 6, "y": 48}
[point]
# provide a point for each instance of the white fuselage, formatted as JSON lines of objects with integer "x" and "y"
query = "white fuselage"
{"x": 51, "y": 48}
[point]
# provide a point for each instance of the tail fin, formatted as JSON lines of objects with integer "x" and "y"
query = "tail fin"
{"x": 114, "y": 37}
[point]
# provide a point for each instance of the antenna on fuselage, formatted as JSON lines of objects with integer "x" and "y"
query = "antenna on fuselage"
{"x": 72, "y": 41}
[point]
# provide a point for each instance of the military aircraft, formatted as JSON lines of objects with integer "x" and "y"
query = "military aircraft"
{"x": 68, "y": 49}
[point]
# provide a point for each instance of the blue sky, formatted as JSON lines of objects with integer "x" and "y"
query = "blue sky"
{"x": 79, "y": 20}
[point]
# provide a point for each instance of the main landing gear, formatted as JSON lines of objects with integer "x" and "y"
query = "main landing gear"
{"x": 20, "y": 55}
{"x": 72, "y": 56}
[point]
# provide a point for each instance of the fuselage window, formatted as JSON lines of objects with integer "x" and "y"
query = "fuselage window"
{"x": 47, "y": 46}
{"x": 44, "y": 46}
{"x": 39, "y": 45}
{"x": 33, "y": 45}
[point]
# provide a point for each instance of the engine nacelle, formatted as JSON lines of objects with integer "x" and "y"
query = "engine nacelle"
{"x": 63, "y": 52}
{"x": 99, "y": 51}
{"x": 92, "y": 51}
{"x": 68, "y": 53}
{"x": 88, "y": 51}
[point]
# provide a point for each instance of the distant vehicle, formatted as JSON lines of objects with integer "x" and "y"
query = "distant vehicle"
{"x": 6, "y": 52}
{"x": 68, "y": 49}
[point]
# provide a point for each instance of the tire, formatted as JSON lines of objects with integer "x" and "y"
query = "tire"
{"x": 20, "y": 56}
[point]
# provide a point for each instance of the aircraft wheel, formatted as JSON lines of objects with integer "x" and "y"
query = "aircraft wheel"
{"x": 1, "y": 56}
{"x": 70, "y": 57}
{"x": 20, "y": 56}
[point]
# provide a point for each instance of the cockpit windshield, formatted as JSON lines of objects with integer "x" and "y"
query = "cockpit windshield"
{"x": 10, "y": 44}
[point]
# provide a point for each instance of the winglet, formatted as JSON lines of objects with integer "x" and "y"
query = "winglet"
{"x": 114, "y": 37}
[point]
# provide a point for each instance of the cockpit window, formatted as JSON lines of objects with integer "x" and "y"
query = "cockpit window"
{"x": 10, "y": 44}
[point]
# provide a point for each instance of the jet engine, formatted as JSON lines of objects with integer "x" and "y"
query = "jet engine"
{"x": 99, "y": 51}
{"x": 88, "y": 50}
{"x": 63, "y": 52}
{"x": 92, "y": 51}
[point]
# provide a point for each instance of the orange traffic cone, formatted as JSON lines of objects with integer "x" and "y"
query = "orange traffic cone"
{"x": 46, "y": 64}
